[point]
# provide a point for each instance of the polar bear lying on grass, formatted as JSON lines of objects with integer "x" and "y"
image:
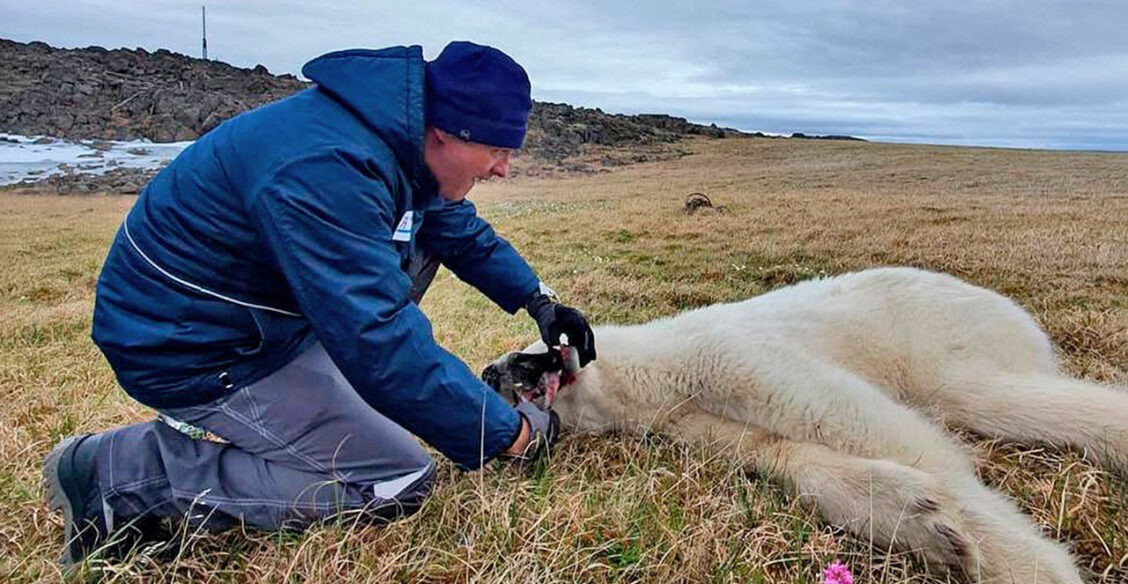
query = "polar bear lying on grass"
{"x": 840, "y": 388}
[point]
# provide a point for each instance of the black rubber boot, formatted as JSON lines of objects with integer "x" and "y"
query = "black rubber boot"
{"x": 71, "y": 486}
{"x": 70, "y": 483}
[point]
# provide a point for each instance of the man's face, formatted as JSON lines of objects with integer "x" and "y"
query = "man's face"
{"x": 458, "y": 164}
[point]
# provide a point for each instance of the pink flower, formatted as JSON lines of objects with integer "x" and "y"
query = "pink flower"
{"x": 837, "y": 573}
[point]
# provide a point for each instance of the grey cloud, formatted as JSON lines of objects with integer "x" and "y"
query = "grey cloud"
{"x": 1040, "y": 73}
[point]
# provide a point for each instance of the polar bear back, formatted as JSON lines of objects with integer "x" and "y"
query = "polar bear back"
{"x": 900, "y": 326}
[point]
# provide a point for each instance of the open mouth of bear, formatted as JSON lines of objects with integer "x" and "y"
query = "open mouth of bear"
{"x": 532, "y": 377}
{"x": 544, "y": 394}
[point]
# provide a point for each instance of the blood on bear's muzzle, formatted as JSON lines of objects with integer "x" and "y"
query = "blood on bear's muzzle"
{"x": 531, "y": 377}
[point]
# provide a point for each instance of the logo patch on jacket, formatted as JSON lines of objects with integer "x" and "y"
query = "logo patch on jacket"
{"x": 403, "y": 230}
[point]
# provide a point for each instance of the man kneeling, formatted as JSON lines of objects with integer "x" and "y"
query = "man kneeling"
{"x": 263, "y": 291}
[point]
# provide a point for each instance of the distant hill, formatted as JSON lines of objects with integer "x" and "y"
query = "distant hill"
{"x": 127, "y": 94}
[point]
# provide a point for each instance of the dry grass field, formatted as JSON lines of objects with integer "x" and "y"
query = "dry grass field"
{"x": 1048, "y": 229}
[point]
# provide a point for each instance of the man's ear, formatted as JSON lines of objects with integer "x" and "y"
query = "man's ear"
{"x": 437, "y": 134}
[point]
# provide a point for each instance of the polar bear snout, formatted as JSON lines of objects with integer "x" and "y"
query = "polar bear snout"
{"x": 522, "y": 376}
{"x": 492, "y": 376}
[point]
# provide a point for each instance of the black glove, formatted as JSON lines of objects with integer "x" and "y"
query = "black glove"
{"x": 555, "y": 319}
{"x": 544, "y": 429}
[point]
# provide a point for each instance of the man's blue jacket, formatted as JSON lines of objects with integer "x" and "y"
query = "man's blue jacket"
{"x": 287, "y": 224}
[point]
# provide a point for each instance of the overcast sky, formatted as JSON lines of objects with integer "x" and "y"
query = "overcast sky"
{"x": 1022, "y": 73}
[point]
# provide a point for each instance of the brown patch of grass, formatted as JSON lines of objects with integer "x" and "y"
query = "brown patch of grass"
{"x": 1045, "y": 228}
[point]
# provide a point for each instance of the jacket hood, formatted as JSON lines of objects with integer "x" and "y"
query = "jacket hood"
{"x": 384, "y": 88}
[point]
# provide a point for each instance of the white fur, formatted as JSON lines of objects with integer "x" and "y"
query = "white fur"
{"x": 839, "y": 387}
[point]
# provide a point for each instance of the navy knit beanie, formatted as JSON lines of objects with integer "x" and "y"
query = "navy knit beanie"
{"x": 479, "y": 94}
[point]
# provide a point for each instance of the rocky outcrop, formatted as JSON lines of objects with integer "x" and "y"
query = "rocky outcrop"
{"x": 119, "y": 181}
{"x": 802, "y": 136}
{"x": 125, "y": 94}
{"x": 558, "y": 131}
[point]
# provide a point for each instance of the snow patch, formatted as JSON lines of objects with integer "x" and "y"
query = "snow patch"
{"x": 33, "y": 158}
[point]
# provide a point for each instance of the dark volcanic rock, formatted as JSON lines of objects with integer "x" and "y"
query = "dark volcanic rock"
{"x": 124, "y": 94}
{"x": 558, "y": 131}
{"x": 122, "y": 181}
{"x": 802, "y": 136}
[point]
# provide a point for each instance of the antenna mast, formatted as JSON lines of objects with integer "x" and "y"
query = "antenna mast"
{"x": 204, "y": 14}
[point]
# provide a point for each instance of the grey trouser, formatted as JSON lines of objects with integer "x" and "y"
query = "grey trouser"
{"x": 303, "y": 446}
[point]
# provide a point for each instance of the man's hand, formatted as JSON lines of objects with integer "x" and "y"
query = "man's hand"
{"x": 539, "y": 431}
{"x": 555, "y": 319}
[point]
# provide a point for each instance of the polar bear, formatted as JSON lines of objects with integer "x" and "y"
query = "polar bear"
{"x": 840, "y": 388}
